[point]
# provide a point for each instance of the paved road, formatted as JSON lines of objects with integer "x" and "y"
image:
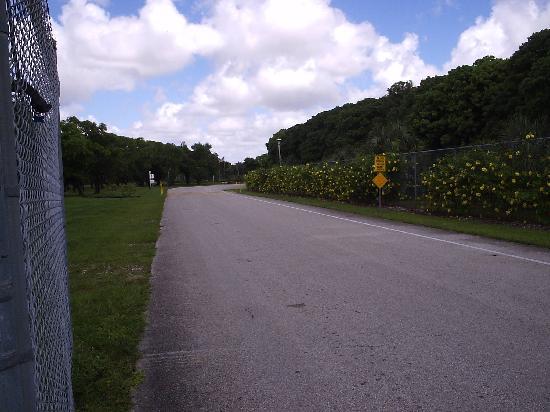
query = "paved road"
{"x": 264, "y": 305}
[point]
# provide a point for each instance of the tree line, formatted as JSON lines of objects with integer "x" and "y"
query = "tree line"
{"x": 93, "y": 156}
{"x": 493, "y": 99}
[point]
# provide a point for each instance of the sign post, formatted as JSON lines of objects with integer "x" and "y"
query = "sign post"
{"x": 380, "y": 180}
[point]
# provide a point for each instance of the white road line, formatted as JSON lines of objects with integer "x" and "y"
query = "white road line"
{"x": 542, "y": 262}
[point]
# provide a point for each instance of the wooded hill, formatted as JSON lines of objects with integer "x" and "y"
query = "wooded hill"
{"x": 491, "y": 100}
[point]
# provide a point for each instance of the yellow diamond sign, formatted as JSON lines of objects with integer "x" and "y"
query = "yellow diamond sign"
{"x": 380, "y": 180}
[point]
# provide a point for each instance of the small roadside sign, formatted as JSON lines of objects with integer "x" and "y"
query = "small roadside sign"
{"x": 380, "y": 163}
{"x": 380, "y": 180}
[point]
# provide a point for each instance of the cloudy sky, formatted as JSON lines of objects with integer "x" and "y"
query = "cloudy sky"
{"x": 233, "y": 72}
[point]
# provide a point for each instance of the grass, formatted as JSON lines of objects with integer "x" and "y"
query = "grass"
{"x": 110, "y": 191}
{"x": 494, "y": 230}
{"x": 111, "y": 244}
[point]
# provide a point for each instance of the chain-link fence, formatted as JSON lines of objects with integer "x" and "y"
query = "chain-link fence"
{"x": 35, "y": 327}
{"x": 503, "y": 180}
{"x": 413, "y": 166}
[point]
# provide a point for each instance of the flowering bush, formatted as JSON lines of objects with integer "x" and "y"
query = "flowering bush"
{"x": 507, "y": 184}
{"x": 510, "y": 184}
{"x": 334, "y": 181}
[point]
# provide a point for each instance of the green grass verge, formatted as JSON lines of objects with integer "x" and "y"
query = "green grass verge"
{"x": 111, "y": 246}
{"x": 501, "y": 231}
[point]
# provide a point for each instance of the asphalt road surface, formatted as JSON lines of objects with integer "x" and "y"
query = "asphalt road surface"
{"x": 265, "y": 305}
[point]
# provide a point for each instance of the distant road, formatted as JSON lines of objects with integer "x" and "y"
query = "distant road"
{"x": 265, "y": 305}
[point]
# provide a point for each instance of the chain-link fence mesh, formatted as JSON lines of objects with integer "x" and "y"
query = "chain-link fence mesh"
{"x": 35, "y": 103}
{"x": 502, "y": 180}
{"x": 413, "y": 166}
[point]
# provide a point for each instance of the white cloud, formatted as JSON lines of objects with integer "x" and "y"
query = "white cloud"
{"x": 232, "y": 136}
{"x": 282, "y": 87}
{"x": 73, "y": 109}
{"x": 225, "y": 91}
{"x": 398, "y": 62}
{"x": 169, "y": 123}
{"x": 510, "y": 24}
{"x": 100, "y": 52}
{"x": 111, "y": 128}
{"x": 309, "y": 47}
{"x": 102, "y": 3}
{"x": 282, "y": 61}
{"x": 354, "y": 94}
{"x": 274, "y": 63}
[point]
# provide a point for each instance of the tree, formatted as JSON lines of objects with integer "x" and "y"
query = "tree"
{"x": 471, "y": 104}
{"x": 76, "y": 155}
{"x": 250, "y": 164}
{"x": 94, "y": 156}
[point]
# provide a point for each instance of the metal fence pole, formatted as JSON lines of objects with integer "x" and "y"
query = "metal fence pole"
{"x": 415, "y": 179}
{"x": 17, "y": 386}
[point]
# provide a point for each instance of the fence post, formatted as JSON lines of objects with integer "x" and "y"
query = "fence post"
{"x": 17, "y": 386}
{"x": 415, "y": 182}
{"x": 527, "y": 160}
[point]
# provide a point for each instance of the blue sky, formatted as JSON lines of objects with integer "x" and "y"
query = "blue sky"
{"x": 233, "y": 72}
{"x": 437, "y": 23}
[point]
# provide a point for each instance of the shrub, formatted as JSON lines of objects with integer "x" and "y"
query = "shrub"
{"x": 503, "y": 184}
{"x": 334, "y": 181}
{"x": 506, "y": 184}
